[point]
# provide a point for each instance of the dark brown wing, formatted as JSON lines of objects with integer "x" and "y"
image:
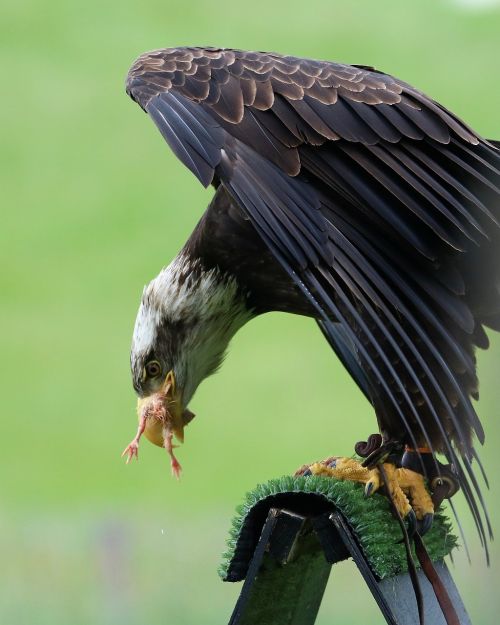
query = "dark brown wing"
{"x": 380, "y": 204}
{"x": 236, "y": 87}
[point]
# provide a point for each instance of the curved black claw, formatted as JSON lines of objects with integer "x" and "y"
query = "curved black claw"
{"x": 412, "y": 523}
{"x": 425, "y": 524}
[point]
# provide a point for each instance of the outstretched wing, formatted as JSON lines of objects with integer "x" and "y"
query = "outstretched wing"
{"x": 380, "y": 204}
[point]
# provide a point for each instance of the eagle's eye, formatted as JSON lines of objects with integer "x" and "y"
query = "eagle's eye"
{"x": 153, "y": 369}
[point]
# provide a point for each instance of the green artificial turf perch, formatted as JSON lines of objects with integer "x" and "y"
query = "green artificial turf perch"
{"x": 370, "y": 518}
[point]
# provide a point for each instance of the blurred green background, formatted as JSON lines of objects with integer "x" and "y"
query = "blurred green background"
{"x": 93, "y": 205}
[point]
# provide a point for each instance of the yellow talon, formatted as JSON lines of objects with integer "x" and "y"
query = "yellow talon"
{"x": 413, "y": 484}
{"x": 406, "y": 488}
{"x": 397, "y": 495}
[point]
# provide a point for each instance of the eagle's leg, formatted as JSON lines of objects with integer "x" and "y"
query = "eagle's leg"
{"x": 406, "y": 488}
{"x": 413, "y": 486}
{"x": 414, "y": 471}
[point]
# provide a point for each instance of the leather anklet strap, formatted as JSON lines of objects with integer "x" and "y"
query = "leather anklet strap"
{"x": 420, "y": 450}
{"x": 438, "y": 587}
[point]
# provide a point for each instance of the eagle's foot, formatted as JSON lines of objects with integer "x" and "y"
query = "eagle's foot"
{"x": 405, "y": 487}
{"x": 408, "y": 492}
{"x": 413, "y": 484}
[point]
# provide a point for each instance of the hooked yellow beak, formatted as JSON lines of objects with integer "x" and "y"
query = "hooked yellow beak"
{"x": 163, "y": 411}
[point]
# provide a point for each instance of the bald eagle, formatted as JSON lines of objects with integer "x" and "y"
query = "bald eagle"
{"x": 343, "y": 194}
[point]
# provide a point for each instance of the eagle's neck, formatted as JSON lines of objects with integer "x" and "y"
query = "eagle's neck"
{"x": 198, "y": 311}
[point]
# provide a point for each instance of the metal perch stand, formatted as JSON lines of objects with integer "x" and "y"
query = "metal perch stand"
{"x": 284, "y": 550}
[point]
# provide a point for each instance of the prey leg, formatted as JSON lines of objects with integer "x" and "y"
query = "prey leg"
{"x": 169, "y": 447}
{"x": 132, "y": 448}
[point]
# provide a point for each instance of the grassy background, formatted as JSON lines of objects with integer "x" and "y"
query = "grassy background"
{"x": 93, "y": 205}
